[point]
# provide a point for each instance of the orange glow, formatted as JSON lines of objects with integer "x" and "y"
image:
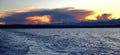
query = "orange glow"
{"x": 97, "y": 16}
{"x": 93, "y": 16}
{"x": 2, "y": 23}
{"x": 45, "y": 19}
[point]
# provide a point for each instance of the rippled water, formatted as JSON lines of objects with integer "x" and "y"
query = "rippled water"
{"x": 68, "y": 41}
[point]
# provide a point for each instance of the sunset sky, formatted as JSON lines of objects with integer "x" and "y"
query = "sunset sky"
{"x": 99, "y": 6}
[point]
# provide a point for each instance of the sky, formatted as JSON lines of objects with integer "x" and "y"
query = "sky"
{"x": 99, "y": 6}
{"x": 102, "y": 5}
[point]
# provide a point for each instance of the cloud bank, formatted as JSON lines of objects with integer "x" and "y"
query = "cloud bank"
{"x": 38, "y": 16}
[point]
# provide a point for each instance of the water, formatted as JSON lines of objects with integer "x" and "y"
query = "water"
{"x": 68, "y": 41}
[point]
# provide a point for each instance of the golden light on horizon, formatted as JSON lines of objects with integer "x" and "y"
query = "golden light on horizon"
{"x": 93, "y": 16}
{"x": 98, "y": 13}
{"x": 45, "y": 19}
{"x": 116, "y": 16}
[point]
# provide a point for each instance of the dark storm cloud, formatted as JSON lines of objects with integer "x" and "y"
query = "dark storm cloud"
{"x": 58, "y": 15}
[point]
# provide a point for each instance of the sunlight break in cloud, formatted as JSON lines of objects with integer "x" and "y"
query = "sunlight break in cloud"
{"x": 50, "y": 16}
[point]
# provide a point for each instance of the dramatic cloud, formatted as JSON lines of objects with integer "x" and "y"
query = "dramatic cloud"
{"x": 45, "y": 19}
{"x": 104, "y": 17}
{"x": 47, "y": 16}
{"x": 31, "y": 16}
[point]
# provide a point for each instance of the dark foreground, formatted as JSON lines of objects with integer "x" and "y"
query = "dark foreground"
{"x": 55, "y": 26}
{"x": 76, "y": 41}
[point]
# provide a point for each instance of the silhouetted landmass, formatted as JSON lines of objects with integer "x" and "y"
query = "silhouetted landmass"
{"x": 87, "y": 24}
{"x": 51, "y": 26}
